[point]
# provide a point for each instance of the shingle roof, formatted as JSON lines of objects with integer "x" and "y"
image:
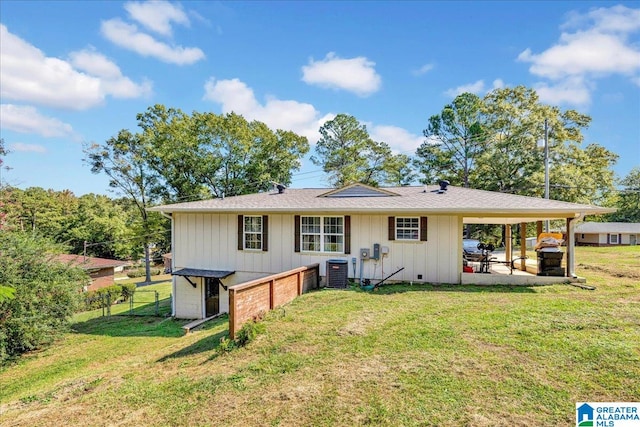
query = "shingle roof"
{"x": 608, "y": 227}
{"x": 89, "y": 263}
{"x": 417, "y": 200}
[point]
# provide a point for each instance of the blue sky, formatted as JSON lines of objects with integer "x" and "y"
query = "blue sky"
{"x": 74, "y": 72}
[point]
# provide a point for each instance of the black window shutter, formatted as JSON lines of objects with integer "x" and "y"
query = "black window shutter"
{"x": 296, "y": 233}
{"x": 240, "y": 232}
{"x": 265, "y": 233}
{"x": 423, "y": 228}
{"x": 392, "y": 228}
{"x": 347, "y": 234}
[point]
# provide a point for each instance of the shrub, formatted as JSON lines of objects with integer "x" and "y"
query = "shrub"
{"x": 114, "y": 292}
{"x": 93, "y": 300}
{"x": 226, "y": 345}
{"x": 128, "y": 289}
{"x": 249, "y": 332}
{"x": 140, "y": 272}
{"x": 46, "y": 295}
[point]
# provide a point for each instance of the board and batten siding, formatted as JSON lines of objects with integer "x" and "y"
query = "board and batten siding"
{"x": 190, "y": 299}
{"x": 209, "y": 241}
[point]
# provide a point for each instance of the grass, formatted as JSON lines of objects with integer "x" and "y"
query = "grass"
{"x": 404, "y": 355}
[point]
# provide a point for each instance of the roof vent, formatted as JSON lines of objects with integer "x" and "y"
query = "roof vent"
{"x": 280, "y": 188}
{"x": 443, "y": 186}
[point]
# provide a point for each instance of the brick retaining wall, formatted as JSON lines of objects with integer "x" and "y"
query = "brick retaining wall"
{"x": 252, "y": 299}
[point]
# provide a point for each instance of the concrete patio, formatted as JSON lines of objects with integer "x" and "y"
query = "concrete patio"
{"x": 500, "y": 273}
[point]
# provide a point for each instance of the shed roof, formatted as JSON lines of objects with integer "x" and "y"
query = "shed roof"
{"x": 476, "y": 206}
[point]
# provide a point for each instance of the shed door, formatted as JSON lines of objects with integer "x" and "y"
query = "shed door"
{"x": 212, "y": 296}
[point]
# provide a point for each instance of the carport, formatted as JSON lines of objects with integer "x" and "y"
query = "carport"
{"x": 522, "y": 216}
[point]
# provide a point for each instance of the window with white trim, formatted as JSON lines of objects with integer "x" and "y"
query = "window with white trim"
{"x": 613, "y": 239}
{"x": 253, "y": 232}
{"x": 322, "y": 234}
{"x": 408, "y": 228}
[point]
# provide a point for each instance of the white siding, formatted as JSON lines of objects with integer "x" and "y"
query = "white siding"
{"x": 188, "y": 299}
{"x": 209, "y": 241}
{"x": 589, "y": 238}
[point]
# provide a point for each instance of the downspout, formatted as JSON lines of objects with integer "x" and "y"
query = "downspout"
{"x": 173, "y": 259}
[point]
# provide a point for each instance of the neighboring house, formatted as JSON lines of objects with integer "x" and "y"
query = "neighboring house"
{"x": 100, "y": 270}
{"x": 607, "y": 233}
{"x": 226, "y": 241}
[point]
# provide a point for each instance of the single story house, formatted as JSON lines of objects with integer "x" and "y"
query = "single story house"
{"x": 100, "y": 270}
{"x": 607, "y": 233}
{"x": 415, "y": 231}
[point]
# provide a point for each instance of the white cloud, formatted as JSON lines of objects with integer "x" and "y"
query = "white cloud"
{"x": 95, "y": 64}
{"x": 112, "y": 80}
{"x": 26, "y": 119}
{"x": 574, "y": 91}
{"x": 235, "y": 96}
{"x": 599, "y": 46}
{"x": 28, "y": 75}
{"x": 584, "y": 53}
{"x": 301, "y": 118}
{"x": 399, "y": 139}
{"x": 477, "y": 88}
{"x": 356, "y": 75}
{"x": 128, "y": 36}
{"x": 423, "y": 70}
{"x": 615, "y": 19}
{"x": 30, "y": 148}
{"x": 158, "y": 15}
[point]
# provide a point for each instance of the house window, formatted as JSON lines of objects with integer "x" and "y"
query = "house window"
{"x": 613, "y": 239}
{"x": 407, "y": 228}
{"x": 322, "y": 234}
{"x": 253, "y": 232}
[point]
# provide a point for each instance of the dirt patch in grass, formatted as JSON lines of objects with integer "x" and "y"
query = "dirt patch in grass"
{"x": 618, "y": 271}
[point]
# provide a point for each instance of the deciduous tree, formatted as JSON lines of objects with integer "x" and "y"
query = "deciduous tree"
{"x": 122, "y": 159}
{"x": 628, "y": 198}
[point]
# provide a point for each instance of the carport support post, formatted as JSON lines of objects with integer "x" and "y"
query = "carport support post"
{"x": 571, "y": 243}
{"x": 507, "y": 243}
{"x": 523, "y": 246}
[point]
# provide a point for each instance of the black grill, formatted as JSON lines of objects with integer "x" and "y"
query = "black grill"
{"x": 549, "y": 264}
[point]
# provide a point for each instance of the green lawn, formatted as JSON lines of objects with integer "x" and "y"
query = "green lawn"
{"x": 405, "y": 355}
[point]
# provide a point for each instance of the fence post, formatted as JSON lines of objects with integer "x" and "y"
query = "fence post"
{"x": 108, "y": 304}
{"x": 157, "y": 304}
{"x": 232, "y": 313}
{"x": 272, "y": 285}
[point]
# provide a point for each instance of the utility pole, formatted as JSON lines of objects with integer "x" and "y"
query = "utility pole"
{"x": 546, "y": 166}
